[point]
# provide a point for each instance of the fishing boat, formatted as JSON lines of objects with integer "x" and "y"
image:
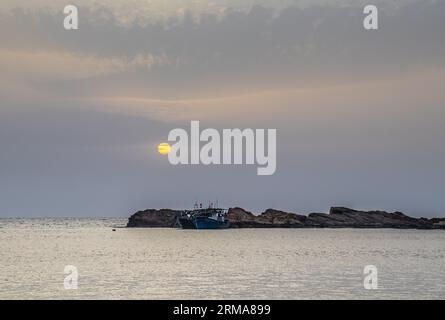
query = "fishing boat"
{"x": 208, "y": 218}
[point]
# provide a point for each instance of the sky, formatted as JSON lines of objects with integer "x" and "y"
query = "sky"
{"x": 360, "y": 115}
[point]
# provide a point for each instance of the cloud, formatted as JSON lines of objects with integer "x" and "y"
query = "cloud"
{"x": 237, "y": 53}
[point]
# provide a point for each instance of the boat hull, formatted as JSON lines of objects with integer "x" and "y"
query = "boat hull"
{"x": 202, "y": 223}
{"x": 186, "y": 223}
{"x": 206, "y": 223}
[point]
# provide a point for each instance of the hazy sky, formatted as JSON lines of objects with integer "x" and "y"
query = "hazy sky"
{"x": 360, "y": 115}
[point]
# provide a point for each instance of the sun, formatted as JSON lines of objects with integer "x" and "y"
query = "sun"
{"x": 164, "y": 148}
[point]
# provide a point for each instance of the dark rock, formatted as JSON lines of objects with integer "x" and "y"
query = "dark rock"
{"x": 152, "y": 218}
{"x": 340, "y": 217}
{"x": 438, "y": 223}
{"x": 271, "y": 218}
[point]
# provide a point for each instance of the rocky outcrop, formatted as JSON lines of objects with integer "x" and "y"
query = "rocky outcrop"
{"x": 271, "y": 218}
{"x": 338, "y": 217}
{"x": 438, "y": 223}
{"x": 152, "y": 218}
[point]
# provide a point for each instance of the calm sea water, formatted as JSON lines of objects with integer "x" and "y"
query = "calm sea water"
{"x": 223, "y": 264}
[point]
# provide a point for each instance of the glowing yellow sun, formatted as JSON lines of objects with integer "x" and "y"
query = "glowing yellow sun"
{"x": 164, "y": 148}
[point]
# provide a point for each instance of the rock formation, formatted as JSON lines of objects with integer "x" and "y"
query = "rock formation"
{"x": 152, "y": 218}
{"x": 338, "y": 217}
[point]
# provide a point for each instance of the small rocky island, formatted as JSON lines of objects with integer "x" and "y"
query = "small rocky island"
{"x": 338, "y": 217}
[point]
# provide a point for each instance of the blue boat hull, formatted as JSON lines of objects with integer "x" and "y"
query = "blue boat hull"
{"x": 202, "y": 223}
{"x": 206, "y": 223}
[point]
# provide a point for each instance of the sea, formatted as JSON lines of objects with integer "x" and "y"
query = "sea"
{"x": 86, "y": 259}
